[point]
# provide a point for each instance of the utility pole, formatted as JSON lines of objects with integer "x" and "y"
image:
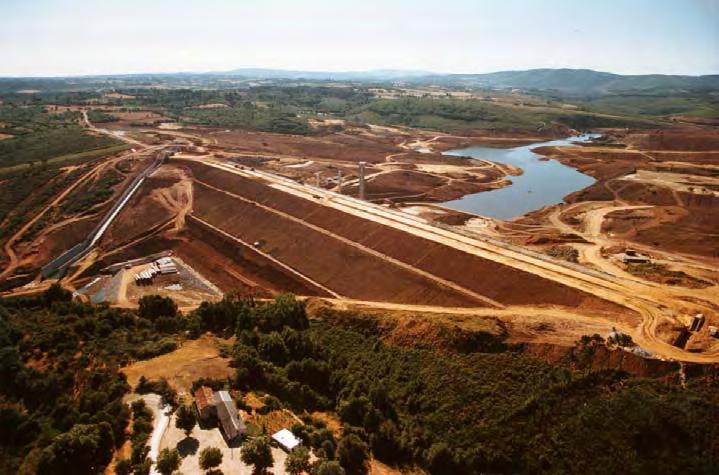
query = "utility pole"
{"x": 339, "y": 181}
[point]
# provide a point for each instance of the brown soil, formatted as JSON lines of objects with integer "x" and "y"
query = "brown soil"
{"x": 682, "y": 222}
{"x": 497, "y": 138}
{"x": 689, "y": 229}
{"x": 257, "y": 273}
{"x": 386, "y": 150}
{"x": 230, "y": 275}
{"x": 398, "y": 184}
{"x": 348, "y": 271}
{"x": 344, "y": 147}
{"x": 678, "y": 138}
{"x": 58, "y": 241}
{"x": 368, "y": 278}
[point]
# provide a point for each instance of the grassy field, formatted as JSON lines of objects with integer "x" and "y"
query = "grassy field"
{"x": 452, "y": 115}
{"x": 54, "y": 146}
{"x": 195, "y": 359}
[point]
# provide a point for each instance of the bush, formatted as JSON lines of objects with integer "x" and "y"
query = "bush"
{"x": 123, "y": 467}
{"x": 185, "y": 419}
{"x": 298, "y": 461}
{"x": 257, "y": 452}
{"x": 154, "y": 306}
{"x": 352, "y": 453}
{"x": 325, "y": 467}
{"x": 210, "y": 457}
{"x": 168, "y": 461}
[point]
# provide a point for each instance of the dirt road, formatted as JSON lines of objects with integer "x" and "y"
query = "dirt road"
{"x": 14, "y": 260}
{"x": 649, "y": 304}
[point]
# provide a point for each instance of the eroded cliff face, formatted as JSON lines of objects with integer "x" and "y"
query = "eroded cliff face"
{"x": 602, "y": 357}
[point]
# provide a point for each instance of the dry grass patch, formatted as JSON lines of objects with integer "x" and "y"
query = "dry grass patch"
{"x": 195, "y": 359}
{"x": 273, "y": 421}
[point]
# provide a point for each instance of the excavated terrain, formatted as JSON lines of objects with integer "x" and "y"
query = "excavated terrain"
{"x": 315, "y": 239}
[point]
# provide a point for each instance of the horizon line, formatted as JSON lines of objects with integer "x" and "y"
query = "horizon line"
{"x": 413, "y": 72}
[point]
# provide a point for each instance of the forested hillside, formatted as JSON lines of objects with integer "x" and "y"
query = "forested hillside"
{"x": 488, "y": 409}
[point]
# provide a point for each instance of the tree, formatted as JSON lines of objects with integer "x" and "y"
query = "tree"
{"x": 272, "y": 347}
{"x": 326, "y": 467}
{"x": 257, "y": 453}
{"x": 440, "y": 459}
{"x": 55, "y": 293}
{"x": 210, "y": 457}
{"x": 87, "y": 448}
{"x": 286, "y": 310}
{"x": 143, "y": 468}
{"x": 298, "y": 461}
{"x": 168, "y": 461}
{"x": 353, "y": 410}
{"x": 352, "y": 453}
{"x": 123, "y": 467}
{"x": 154, "y": 306}
{"x": 185, "y": 419}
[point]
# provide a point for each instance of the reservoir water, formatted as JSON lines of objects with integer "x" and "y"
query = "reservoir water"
{"x": 543, "y": 183}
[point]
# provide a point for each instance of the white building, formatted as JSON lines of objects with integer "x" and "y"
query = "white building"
{"x": 286, "y": 439}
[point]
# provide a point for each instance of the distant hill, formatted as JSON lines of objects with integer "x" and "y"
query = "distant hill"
{"x": 374, "y": 75}
{"x": 561, "y": 81}
{"x": 580, "y": 81}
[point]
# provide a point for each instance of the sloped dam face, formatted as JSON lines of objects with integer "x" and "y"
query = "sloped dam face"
{"x": 325, "y": 251}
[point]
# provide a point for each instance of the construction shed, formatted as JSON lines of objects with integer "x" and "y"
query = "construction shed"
{"x": 286, "y": 439}
{"x": 205, "y": 402}
{"x": 232, "y": 425}
{"x": 166, "y": 265}
{"x": 633, "y": 257}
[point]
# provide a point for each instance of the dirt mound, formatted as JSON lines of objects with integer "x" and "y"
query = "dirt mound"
{"x": 160, "y": 198}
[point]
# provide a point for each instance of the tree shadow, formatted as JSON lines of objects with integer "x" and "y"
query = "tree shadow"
{"x": 188, "y": 446}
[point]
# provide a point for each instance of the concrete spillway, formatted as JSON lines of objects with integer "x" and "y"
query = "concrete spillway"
{"x": 61, "y": 263}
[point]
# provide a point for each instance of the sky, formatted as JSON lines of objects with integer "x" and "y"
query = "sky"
{"x": 83, "y": 37}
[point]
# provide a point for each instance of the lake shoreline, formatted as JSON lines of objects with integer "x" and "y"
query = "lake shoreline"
{"x": 543, "y": 181}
